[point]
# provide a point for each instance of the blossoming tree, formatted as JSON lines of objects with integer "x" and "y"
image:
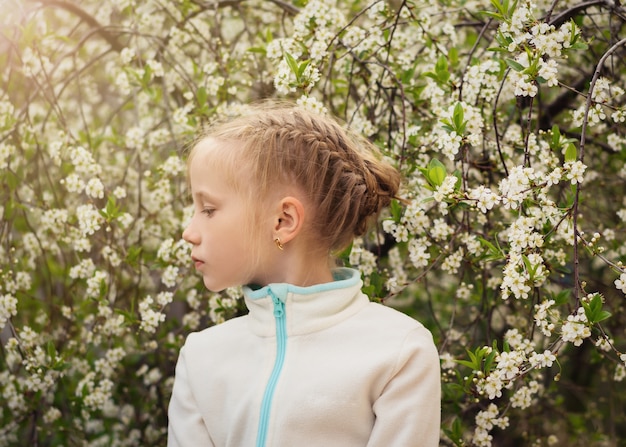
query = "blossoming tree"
{"x": 506, "y": 119}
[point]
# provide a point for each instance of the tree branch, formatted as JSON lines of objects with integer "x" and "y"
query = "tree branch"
{"x": 287, "y": 7}
{"x": 583, "y": 132}
{"x": 569, "y": 13}
{"x": 85, "y": 17}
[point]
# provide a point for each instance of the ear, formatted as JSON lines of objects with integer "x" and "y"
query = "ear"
{"x": 289, "y": 219}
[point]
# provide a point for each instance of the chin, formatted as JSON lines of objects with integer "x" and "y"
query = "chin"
{"x": 217, "y": 284}
{"x": 213, "y": 287}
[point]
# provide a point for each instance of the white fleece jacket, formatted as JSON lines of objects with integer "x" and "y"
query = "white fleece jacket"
{"x": 318, "y": 366}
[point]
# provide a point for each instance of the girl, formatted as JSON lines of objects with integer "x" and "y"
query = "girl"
{"x": 314, "y": 363}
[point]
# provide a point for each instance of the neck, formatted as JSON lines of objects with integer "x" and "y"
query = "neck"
{"x": 309, "y": 275}
{"x": 303, "y": 270}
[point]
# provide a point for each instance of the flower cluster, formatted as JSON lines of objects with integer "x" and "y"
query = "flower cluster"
{"x": 509, "y": 159}
{"x": 537, "y": 46}
{"x": 576, "y": 328}
{"x": 150, "y": 317}
{"x": 315, "y": 27}
{"x": 620, "y": 283}
{"x": 8, "y": 308}
{"x": 486, "y": 420}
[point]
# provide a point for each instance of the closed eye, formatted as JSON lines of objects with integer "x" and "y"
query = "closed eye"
{"x": 208, "y": 211}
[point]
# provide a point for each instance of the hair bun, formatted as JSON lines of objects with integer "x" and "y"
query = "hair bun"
{"x": 342, "y": 173}
{"x": 381, "y": 183}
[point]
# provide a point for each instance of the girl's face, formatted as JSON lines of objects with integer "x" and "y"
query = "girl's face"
{"x": 217, "y": 231}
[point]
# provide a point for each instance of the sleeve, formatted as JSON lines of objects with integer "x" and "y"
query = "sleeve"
{"x": 185, "y": 426}
{"x": 408, "y": 411}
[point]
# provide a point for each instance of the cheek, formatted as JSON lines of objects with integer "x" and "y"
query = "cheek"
{"x": 224, "y": 237}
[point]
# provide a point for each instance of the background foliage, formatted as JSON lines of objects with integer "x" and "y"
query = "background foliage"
{"x": 506, "y": 119}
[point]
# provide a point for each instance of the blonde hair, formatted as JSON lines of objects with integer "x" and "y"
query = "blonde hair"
{"x": 342, "y": 174}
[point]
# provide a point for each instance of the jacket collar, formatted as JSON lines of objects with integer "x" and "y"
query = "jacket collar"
{"x": 307, "y": 309}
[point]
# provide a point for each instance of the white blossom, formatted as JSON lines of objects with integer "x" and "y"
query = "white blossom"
{"x": 542, "y": 360}
{"x": 575, "y": 329}
{"x": 89, "y": 219}
{"x": 575, "y": 171}
{"x": 7, "y": 152}
{"x": 95, "y": 188}
{"x": 8, "y": 308}
{"x": 445, "y": 189}
{"x": 620, "y": 283}
{"x": 484, "y": 198}
{"x": 150, "y": 318}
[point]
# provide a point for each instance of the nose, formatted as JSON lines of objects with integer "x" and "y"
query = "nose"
{"x": 189, "y": 233}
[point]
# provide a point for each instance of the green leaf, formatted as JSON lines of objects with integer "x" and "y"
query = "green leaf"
{"x": 531, "y": 269}
{"x": 515, "y": 65}
{"x": 490, "y": 14}
{"x": 396, "y": 210}
{"x": 375, "y": 288}
{"x": 556, "y": 137}
{"x": 301, "y": 69}
{"x": 147, "y": 74}
{"x": 424, "y": 172}
{"x": 468, "y": 363}
{"x": 293, "y": 64}
{"x": 52, "y": 352}
{"x": 505, "y": 346}
{"x": 345, "y": 254}
{"x": 495, "y": 253}
{"x": 561, "y": 298}
{"x": 441, "y": 69}
{"x": 111, "y": 211}
{"x": 453, "y": 56}
{"x": 457, "y": 119}
{"x": 475, "y": 363}
{"x": 510, "y": 9}
{"x": 10, "y": 208}
{"x": 490, "y": 359}
{"x": 436, "y": 172}
{"x": 571, "y": 153}
{"x": 455, "y": 432}
{"x": 133, "y": 255}
{"x": 202, "y": 96}
{"x": 447, "y": 125}
{"x": 602, "y": 315}
{"x": 593, "y": 310}
{"x": 501, "y": 7}
{"x": 408, "y": 75}
{"x": 12, "y": 180}
{"x": 259, "y": 50}
{"x": 579, "y": 46}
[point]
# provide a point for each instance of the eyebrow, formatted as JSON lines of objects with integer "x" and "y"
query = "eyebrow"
{"x": 203, "y": 195}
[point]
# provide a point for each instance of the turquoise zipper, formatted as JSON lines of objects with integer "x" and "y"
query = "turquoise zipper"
{"x": 281, "y": 347}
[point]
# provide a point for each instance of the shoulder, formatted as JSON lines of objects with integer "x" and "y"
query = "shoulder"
{"x": 411, "y": 339}
{"x": 385, "y": 326}
{"x": 388, "y": 316}
{"x": 226, "y": 332}
{"x": 397, "y": 331}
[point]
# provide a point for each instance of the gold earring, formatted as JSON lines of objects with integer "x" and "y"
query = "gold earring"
{"x": 278, "y": 243}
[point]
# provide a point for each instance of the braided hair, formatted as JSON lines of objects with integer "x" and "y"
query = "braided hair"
{"x": 341, "y": 173}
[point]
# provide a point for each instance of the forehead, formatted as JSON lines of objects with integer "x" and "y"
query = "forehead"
{"x": 214, "y": 164}
{"x": 208, "y": 150}
{"x": 210, "y": 156}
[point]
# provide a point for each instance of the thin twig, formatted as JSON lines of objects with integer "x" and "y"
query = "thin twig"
{"x": 581, "y": 158}
{"x": 84, "y": 16}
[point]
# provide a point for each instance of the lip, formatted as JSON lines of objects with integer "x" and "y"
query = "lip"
{"x": 197, "y": 262}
